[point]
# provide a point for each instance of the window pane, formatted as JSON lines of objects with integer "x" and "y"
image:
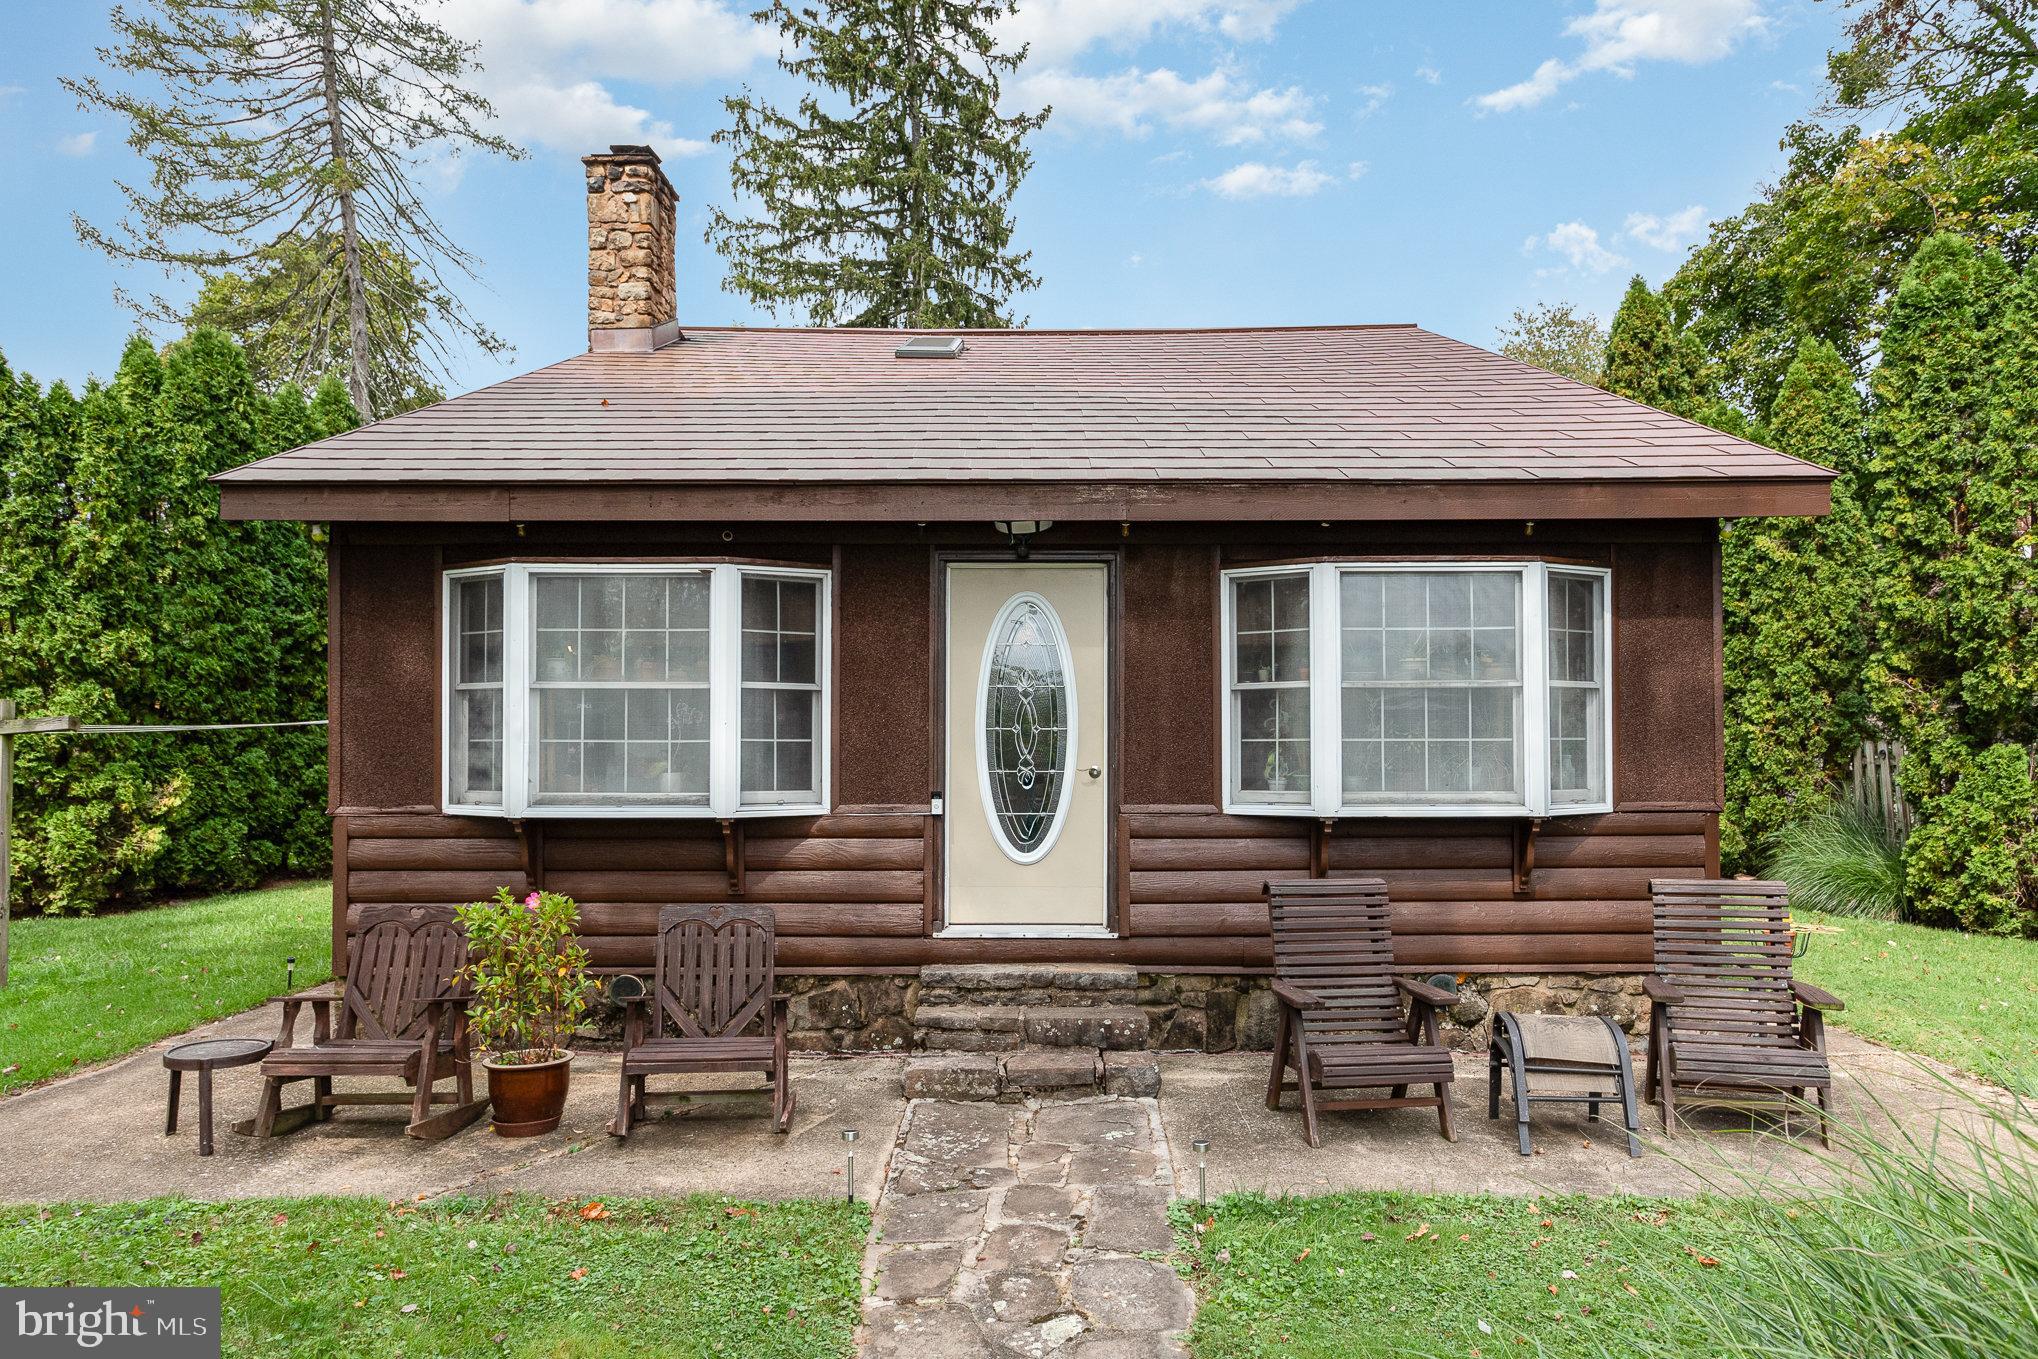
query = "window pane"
{"x": 477, "y": 746}
{"x": 480, "y": 628}
{"x": 474, "y": 707}
{"x": 1577, "y": 755}
{"x": 1273, "y": 740}
{"x": 1436, "y": 655}
{"x": 1270, "y": 626}
{"x": 781, "y": 646}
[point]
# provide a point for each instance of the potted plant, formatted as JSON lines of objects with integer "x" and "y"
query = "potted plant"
{"x": 528, "y": 977}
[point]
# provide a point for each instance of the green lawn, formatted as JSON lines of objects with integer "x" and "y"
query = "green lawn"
{"x": 1408, "y": 1274}
{"x": 85, "y": 988}
{"x": 516, "y": 1277}
{"x": 1967, "y": 999}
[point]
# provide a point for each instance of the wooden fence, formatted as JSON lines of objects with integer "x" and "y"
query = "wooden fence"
{"x": 1871, "y": 784}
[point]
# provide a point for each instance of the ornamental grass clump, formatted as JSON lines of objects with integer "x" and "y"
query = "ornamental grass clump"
{"x": 528, "y": 975}
{"x": 1926, "y": 1247}
{"x": 1843, "y": 859}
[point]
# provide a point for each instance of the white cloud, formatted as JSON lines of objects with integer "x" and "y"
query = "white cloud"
{"x": 1254, "y": 179}
{"x": 1133, "y": 101}
{"x": 1673, "y": 233}
{"x": 1058, "y": 30}
{"x": 1429, "y": 75}
{"x": 545, "y": 63}
{"x": 1374, "y": 95}
{"x": 1357, "y": 169}
{"x": 1577, "y": 245}
{"x": 1619, "y": 34}
{"x": 8, "y": 92}
{"x": 77, "y": 144}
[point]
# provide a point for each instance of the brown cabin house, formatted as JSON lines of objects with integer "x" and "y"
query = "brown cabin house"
{"x": 1025, "y": 645}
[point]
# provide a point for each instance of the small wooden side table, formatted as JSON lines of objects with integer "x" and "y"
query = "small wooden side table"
{"x": 206, "y": 1056}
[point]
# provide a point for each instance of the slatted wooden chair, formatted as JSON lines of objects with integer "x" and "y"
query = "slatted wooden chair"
{"x": 400, "y": 1014}
{"x": 1342, "y": 1027}
{"x": 716, "y": 977}
{"x": 1728, "y": 1024}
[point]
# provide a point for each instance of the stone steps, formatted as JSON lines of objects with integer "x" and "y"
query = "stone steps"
{"x": 1028, "y": 984}
{"x": 1011, "y": 1031}
{"x": 1038, "y": 1073}
{"x": 1004, "y": 1028}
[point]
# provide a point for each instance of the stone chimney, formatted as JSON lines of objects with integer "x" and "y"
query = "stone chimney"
{"x": 632, "y": 215}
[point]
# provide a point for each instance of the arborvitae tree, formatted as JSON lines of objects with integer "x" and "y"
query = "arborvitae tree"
{"x": 891, "y": 204}
{"x": 302, "y": 125}
{"x": 144, "y": 606}
{"x": 1952, "y": 444}
{"x": 1797, "y": 627}
{"x": 1646, "y": 359}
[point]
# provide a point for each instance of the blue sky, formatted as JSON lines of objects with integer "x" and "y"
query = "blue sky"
{"x": 1209, "y": 162}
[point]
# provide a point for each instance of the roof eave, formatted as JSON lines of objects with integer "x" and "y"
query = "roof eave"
{"x": 966, "y": 500}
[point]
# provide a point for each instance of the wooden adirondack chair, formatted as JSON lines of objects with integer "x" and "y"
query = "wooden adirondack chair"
{"x": 1728, "y": 1025}
{"x": 1342, "y": 1027}
{"x": 400, "y": 1015}
{"x": 716, "y": 976}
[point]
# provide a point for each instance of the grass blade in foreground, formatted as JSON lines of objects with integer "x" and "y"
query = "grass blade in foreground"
{"x": 1926, "y": 1249}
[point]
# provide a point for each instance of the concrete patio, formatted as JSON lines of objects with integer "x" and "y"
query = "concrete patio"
{"x": 1000, "y": 1229}
{"x": 98, "y": 1135}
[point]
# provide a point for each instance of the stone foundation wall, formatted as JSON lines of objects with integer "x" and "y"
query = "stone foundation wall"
{"x": 1199, "y": 1012}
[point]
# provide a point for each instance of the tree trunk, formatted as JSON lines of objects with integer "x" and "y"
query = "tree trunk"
{"x": 350, "y": 233}
{"x": 916, "y": 283}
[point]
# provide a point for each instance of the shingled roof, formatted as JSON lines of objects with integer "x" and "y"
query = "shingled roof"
{"x": 1303, "y": 422}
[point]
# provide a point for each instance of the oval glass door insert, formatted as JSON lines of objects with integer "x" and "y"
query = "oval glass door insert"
{"x": 1026, "y": 727}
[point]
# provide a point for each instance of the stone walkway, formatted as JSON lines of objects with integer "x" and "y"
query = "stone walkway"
{"x": 1025, "y": 1230}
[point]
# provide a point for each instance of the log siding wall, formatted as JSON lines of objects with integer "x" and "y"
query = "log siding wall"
{"x": 858, "y": 890}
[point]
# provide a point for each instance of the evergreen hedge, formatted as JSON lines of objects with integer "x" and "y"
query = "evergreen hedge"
{"x": 125, "y": 598}
{"x": 1911, "y": 612}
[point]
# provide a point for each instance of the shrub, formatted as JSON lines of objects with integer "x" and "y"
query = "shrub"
{"x": 1972, "y": 860}
{"x": 528, "y": 974}
{"x": 1844, "y": 860}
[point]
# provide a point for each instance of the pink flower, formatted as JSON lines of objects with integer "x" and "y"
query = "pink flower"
{"x": 532, "y": 901}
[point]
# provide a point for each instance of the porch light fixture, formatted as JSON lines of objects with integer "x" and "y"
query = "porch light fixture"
{"x": 930, "y": 347}
{"x": 1202, "y": 1146}
{"x": 289, "y": 976}
{"x": 849, "y": 1173}
{"x": 1019, "y": 532}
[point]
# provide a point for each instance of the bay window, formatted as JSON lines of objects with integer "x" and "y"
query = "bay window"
{"x": 1411, "y": 689}
{"x": 636, "y": 690}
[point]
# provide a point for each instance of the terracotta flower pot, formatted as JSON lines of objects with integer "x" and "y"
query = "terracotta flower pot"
{"x": 526, "y": 1100}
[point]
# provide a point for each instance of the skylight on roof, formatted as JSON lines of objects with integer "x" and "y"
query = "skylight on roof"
{"x": 930, "y": 347}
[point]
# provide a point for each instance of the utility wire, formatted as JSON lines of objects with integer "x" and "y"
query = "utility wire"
{"x": 93, "y": 729}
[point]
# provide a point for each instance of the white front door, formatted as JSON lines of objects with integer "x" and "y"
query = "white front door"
{"x": 1028, "y": 703}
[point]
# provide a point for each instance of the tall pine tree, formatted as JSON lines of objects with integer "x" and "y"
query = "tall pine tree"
{"x": 890, "y": 203}
{"x": 290, "y": 134}
{"x": 1796, "y": 623}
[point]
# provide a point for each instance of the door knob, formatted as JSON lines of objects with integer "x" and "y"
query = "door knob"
{"x": 1094, "y": 772}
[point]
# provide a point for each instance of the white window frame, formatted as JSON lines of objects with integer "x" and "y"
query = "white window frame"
{"x": 725, "y": 692}
{"x": 1326, "y": 743}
